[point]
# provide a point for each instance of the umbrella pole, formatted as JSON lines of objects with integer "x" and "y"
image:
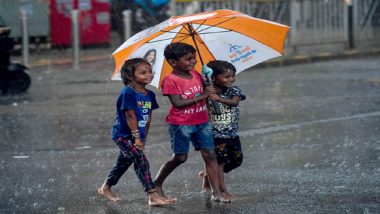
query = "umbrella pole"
{"x": 208, "y": 81}
{"x": 192, "y": 34}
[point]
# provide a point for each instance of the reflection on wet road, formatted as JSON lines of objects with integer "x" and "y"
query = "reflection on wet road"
{"x": 310, "y": 136}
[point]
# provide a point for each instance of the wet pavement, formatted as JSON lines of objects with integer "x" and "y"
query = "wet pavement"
{"x": 310, "y": 136}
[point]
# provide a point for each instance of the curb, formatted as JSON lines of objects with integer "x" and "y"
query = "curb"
{"x": 67, "y": 61}
{"x": 301, "y": 59}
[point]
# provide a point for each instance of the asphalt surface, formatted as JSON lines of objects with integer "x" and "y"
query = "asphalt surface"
{"x": 310, "y": 136}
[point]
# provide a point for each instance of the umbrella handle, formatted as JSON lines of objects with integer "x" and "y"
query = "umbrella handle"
{"x": 214, "y": 103}
{"x": 216, "y": 107}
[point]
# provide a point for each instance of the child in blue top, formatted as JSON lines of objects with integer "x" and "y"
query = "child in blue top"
{"x": 225, "y": 125}
{"x": 133, "y": 116}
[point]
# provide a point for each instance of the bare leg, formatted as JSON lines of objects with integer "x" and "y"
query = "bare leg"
{"x": 212, "y": 170}
{"x": 205, "y": 182}
{"x": 166, "y": 169}
{"x": 222, "y": 184}
{"x": 105, "y": 190}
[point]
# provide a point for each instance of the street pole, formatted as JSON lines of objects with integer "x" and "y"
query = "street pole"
{"x": 25, "y": 37}
{"x": 75, "y": 37}
{"x": 127, "y": 19}
{"x": 173, "y": 8}
{"x": 294, "y": 17}
{"x": 349, "y": 24}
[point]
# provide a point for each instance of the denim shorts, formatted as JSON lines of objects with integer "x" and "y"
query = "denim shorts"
{"x": 199, "y": 135}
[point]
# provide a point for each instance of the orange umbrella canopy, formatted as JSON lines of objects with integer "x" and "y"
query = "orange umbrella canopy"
{"x": 222, "y": 34}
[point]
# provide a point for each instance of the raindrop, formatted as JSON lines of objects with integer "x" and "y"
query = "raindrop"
{"x": 20, "y": 156}
{"x": 366, "y": 211}
{"x": 35, "y": 205}
{"x": 83, "y": 147}
{"x": 342, "y": 164}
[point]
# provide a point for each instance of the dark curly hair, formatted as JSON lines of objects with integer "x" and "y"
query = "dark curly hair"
{"x": 220, "y": 67}
{"x": 177, "y": 50}
{"x": 127, "y": 71}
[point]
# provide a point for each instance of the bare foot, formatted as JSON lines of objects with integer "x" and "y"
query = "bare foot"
{"x": 229, "y": 196}
{"x": 105, "y": 190}
{"x": 161, "y": 193}
{"x": 220, "y": 198}
{"x": 156, "y": 200}
{"x": 205, "y": 184}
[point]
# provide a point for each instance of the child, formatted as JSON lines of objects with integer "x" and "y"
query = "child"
{"x": 133, "y": 116}
{"x": 188, "y": 116}
{"x": 225, "y": 126}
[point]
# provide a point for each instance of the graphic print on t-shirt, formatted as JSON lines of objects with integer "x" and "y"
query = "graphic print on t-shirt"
{"x": 187, "y": 89}
{"x": 226, "y": 124}
{"x": 144, "y": 106}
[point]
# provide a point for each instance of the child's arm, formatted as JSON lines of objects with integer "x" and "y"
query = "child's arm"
{"x": 233, "y": 102}
{"x": 179, "y": 102}
{"x": 130, "y": 115}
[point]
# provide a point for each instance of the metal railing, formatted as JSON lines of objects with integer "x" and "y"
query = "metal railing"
{"x": 313, "y": 22}
{"x": 367, "y": 22}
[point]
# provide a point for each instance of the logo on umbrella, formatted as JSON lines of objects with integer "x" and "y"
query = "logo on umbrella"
{"x": 241, "y": 53}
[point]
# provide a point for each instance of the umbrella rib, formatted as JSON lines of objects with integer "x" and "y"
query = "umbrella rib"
{"x": 215, "y": 24}
{"x": 187, "y": 34}
{"x": 193, "y": 32}
{"x": 169, "y": 31}
{"x": 200, "y": 25}
{"x": 225, "y": 31}
{"x": 183, "y": 35}
{"x": 160, "y": 40}
{"x": 188, "y": 29}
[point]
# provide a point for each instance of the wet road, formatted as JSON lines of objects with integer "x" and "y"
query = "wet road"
{"x": 310, "y": 136}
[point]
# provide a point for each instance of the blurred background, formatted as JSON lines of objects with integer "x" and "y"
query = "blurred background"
{"x": 324, "y": 25}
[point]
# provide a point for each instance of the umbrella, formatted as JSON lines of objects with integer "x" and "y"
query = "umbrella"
{"x": 226, "y": 35}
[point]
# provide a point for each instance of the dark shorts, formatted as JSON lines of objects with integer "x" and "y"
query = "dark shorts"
{"x": 199, "y": 135}
{"x": 229, "y": 153}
